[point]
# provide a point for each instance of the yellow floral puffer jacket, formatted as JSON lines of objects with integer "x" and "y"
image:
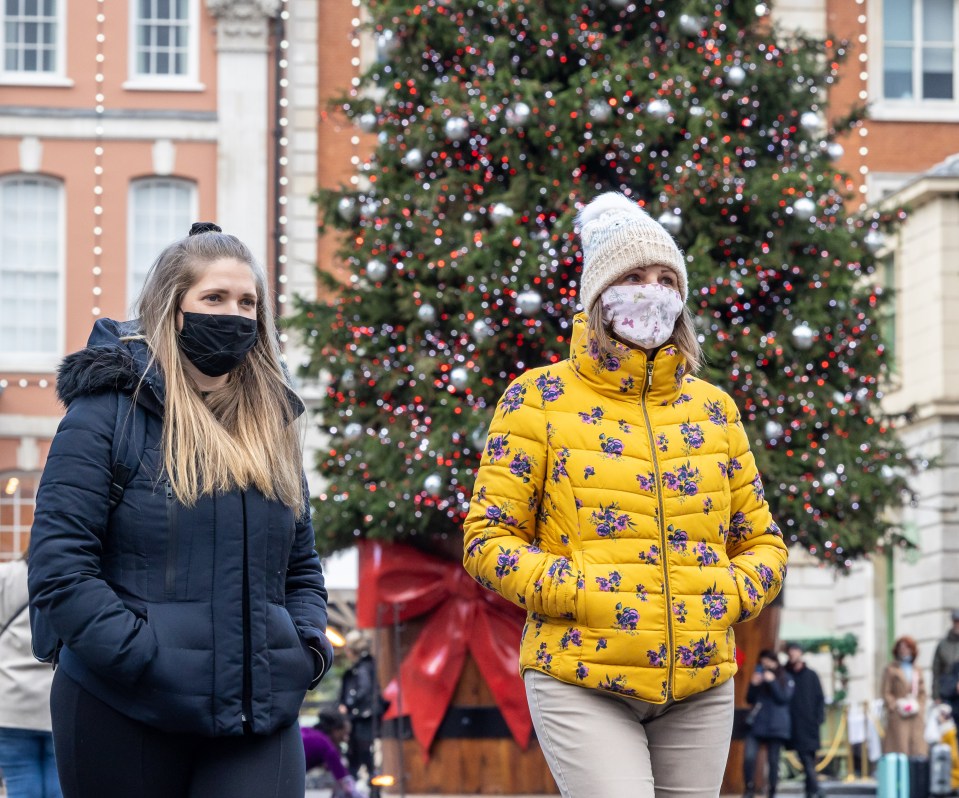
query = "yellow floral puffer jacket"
{"x": 619, "y": 504}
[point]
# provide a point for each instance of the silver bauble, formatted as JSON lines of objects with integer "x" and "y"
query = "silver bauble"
{"x": 673, "y": 222}
{"x": 346, "y": 209}
{"x": 773, "y": 430}
{"x": 459, "y": 378}
{"x": 352, "y": 431}
{"x": 413, "y": 159}
{"x": 457, "y": 128}
{"x": 529, "y": 302}
{"x": 619, "y": 3}
{"x": 762, "y": 10}
{"x": 835, "y": 151}
{"x": 812, "y": 122}
{"x": 829, "y": 479}
{"x": 426, "y": 313}
{"x": 735, "y": 75}
{"x": 690, "y": 25}
{"x": 376, "y": 270}
{"x": 805, "y": 207}
{"x": 369, "y": 209}
{"x": 348, "y": 379}
{"x": 367, "y": 122}
{"x": 481, "y": 329}
{"x": 600, "y": 110}
{"x": 874, "y": 241}
{"x": 659, "y": 108}
{"x": 386, "y": 43}
{"x": 478, "y": 437}
{"x": 433, "y": 485}
{"x": 696, "y": 110}
{"x": 518, "y": 114}
{"x": 500, "y": 212}
{"x": 803, "y": 336}
{"x": 469, "y": 217}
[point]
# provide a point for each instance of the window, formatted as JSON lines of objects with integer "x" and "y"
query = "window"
{"x": 919, "y": 52}
{"x": 164, "y": 41}
{"x": 18, "y": 492}
{"x": 31, "y": 272}
{"x": 32, "y": 38}
{"x": 161, "y": 211}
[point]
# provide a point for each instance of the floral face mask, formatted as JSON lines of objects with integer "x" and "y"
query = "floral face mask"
{"x": 642, "y": 314}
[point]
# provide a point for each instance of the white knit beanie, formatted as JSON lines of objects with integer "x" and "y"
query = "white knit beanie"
{"x": 619, "y": 236}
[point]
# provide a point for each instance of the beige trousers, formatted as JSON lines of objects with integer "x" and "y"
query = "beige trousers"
{"x": 600, "y": 745}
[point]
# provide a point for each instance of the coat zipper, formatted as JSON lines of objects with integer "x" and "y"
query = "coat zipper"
{"x": 246, "y": 715}
{"x": 662, "y": 533}
{"x": 172, "y": 543}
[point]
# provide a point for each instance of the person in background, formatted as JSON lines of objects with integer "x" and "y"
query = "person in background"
{"x": 945, "y": 667}
{"x": 186, "y": 592}
{"x": 771, "y": 689}
{"x": 904, "y": 696}
{"x": 807, "y": 711}
{"x": 361, "y": 701}
{"x": 618, "y": 503}
{"x": 323, "y": 745}
{"x": 26, "y": 741}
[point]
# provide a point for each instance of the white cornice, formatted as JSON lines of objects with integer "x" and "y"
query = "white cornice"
{"x": 18, "y": 125}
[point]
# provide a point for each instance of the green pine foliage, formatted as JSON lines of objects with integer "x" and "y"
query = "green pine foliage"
{"x": 495, "y": 121}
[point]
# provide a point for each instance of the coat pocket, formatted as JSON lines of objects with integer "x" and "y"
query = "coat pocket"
{"x": 292, "y": 665}
{"x": 184, "y": 660}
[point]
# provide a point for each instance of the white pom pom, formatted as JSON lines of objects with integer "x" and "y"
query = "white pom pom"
{"x": 604, "y": 203}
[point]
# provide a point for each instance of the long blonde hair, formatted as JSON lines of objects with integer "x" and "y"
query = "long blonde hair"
{"x": 246, "y": 434}
{"x": 684, "y": 336}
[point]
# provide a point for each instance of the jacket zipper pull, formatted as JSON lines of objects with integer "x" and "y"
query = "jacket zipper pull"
{"x": 649, "y": 374}
{"x": 169, "y": 490}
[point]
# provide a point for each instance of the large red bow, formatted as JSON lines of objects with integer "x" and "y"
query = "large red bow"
{"x": 398, "y": 582}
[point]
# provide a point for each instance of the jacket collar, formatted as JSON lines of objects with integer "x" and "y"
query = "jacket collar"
{"x": 626, "y": 374}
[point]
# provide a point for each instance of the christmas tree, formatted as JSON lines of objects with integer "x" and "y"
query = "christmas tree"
{"x": 496, "y": 120}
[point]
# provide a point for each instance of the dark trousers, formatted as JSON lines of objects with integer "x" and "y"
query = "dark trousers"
{"x": 808, "y": 759}
{"x": 359, "y": 749}
{"x": 750, "y": 752}
{"x": 102, "y": 753}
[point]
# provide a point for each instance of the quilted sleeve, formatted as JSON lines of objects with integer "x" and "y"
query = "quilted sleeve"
{"x": 754, "y": 543}
{"x": 500, "y": 526}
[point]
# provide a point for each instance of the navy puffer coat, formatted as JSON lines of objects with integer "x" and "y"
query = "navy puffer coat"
{"x": 207, "y": 619}
{"x": 773, "y": 720}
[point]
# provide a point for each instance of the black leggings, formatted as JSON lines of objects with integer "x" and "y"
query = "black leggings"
{"x": 102, "y": 753}
{"x": 751, "y": 752}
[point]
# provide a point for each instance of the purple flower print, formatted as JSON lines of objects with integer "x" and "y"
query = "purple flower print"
{"x": 626, "y": 384}
{"x": 550, "y": 388}
{"x": 608, "y": 523}
{"x": 692, "y": 436}
{"x": 494, "y": 515}
{"x": 559, "y": 569}
{"x": 678, "y": 376}
{"x": 626, "y": 617}
{"x": 611, "y": 583}
{"x": 594, "y": 416}
{"x": 617, "y": 685}
{"x": 730, "y": 468}
{"x": 751, "y": 590}
{"x": 610, "y": 363}
{"x": 739, "y": 527}
{"x": 581, "y": 671}
{"x": 715, "y": 676}
{"x": 716, "y": 413}
{"x": 521, "y": 466}
{"x": 766, "y": 577}
{"x": 773, "y": 529}
{"x": 677, "y": 539}
{"x": 721, "y": 529}
{"x": 647, "y": 482}
{"x": 572, "y": 637}
{"x": 592, "y": 349}
{"x": 485, "y": 582}
{"x": 512, "y": 399}
{"x": 475, "y": 546}
{"x": 758, "y": 491}
{"x": 683, "y": 398}
{"x": 507, "y": 562}
{"x": 714, "y": 603}
{"x": 650, "y": 557}
{"x": 612, "y": 447}
{"x": 679, "y": 610}
{"x": 641, "y": 593}
{"x": 685, "y": 480}
{"x": 497, "y": 447}
{"x": 588, "y": 472}
{"x": 707, "y": 505}
{"x": 624, "y": 427}
{"x": 601, "y": 644}
{"x": 543, "y": 658}
{"x": 657, "y": 658}
{"x": 662, "y": 442}
{"x": 698, "y": 655}
{"x": 559, "y": 467}
{"x": 705, "y": 554}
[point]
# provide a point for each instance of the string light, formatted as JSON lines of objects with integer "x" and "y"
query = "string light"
{"x": 23, "y": 382}
{"x": 100, "y": 99}
{"x": 281, "y": 238}
{"x": 863, "y": 97}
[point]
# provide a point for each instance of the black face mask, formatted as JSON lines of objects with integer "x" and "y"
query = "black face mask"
{"x": 216, "y": 343}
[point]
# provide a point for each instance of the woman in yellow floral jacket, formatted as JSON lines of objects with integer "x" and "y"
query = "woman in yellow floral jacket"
{"x": 619, "y": 504}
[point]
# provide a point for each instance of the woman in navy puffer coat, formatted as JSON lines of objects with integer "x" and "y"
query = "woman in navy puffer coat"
{"x": 192, "y": 614}
{"x": 770, "y": 691}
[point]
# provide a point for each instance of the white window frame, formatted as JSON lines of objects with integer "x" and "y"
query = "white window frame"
{"x": 132, "y": 278}
{"x": 44, "y": 362}
{"x": 58, "y": 76}
{"x": 138, "y": 81}
{"x": 21, "y": 509}
{"x": 915, "y": 109}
